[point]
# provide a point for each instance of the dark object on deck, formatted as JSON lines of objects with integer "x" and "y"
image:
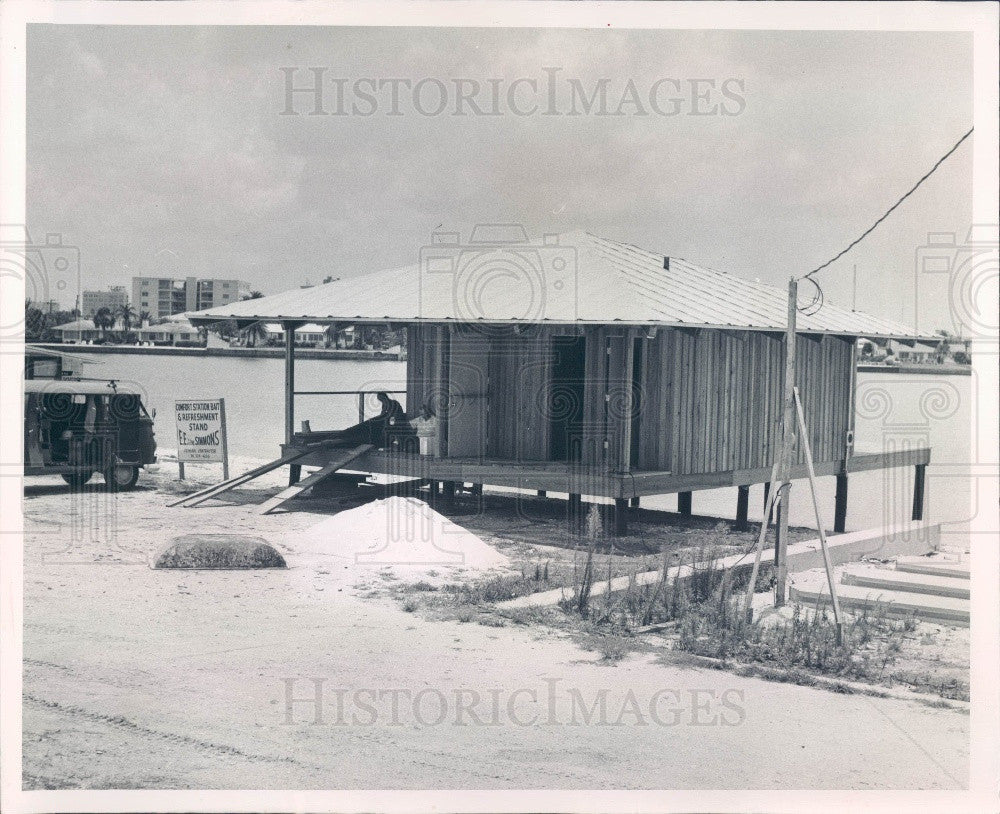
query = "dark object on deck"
{"x": 220, "y": 551}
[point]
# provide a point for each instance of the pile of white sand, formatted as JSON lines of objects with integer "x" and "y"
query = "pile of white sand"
{"x": 398, "y": 532}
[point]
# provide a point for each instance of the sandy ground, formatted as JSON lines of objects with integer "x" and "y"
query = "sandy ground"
{"x": 143, "y": 678}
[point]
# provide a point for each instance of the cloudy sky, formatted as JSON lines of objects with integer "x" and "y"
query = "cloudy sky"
{"x": 163, "y": 150}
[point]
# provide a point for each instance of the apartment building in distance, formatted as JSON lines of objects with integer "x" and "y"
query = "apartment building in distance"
{"x": 166, "y": 296}
{"x": 93, "y": 301}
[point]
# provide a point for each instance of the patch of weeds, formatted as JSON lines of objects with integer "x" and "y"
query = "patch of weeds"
{"x": 411, "y": 605}
{"x": 423, "y": 585}
{"x": 707, "y": 604}
{"x": 951, "y": 688}
{"x": 525, "y": 616}
{"x": 496, "y": 589}
{"x": 612, "y": 648}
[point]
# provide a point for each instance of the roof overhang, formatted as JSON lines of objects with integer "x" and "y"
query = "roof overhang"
{"x": 243, "y": 321}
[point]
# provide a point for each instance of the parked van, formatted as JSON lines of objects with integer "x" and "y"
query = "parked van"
{"x": 76, "y": 428}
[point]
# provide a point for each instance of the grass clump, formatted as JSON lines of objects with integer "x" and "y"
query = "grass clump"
{"x": 502, "y": 588}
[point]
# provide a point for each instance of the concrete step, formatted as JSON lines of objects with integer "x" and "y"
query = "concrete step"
{"x": 914, "y": 583}
{"x": 810, "y": 587}
{"x": 935, "y": 566}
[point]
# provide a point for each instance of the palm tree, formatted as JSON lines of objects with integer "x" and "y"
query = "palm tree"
{"x": 104, "y": 320}
{"x": 255, "y": 333}
{"x": 253, "y": 295}
{"x": 145, "y": 318}
{"x": 331, "y": 334}
{"x": 126, "y": 313}
{"x": 34, "y": 321}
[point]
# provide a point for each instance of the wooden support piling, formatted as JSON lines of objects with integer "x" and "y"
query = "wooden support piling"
{"x": 448, "y": 490}
{"x": 742, "y": 506}
{"x": 634, "y": 502}
{"x": 574, "y": 512}
{"x": 919, "y": 476}
{"x": 541, "y": 493}
{"x": 840, "y": 505}
{"x": 684, "y": 503}
{"x": 621, "y": 517}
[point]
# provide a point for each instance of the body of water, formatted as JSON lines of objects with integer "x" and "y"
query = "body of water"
{"x": 894, "y": 411}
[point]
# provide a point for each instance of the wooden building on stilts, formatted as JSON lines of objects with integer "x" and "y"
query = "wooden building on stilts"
{"x": 583, "y": 366}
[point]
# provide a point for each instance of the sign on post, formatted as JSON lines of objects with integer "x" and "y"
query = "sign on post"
{"x": 201, "y": 433}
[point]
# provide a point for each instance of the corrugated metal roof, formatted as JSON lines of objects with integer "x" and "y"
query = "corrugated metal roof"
{"x": 90, "y": 388}
{"x": 573, "y": 278}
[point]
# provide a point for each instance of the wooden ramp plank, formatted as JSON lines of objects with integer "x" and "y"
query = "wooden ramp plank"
{"x": 209, "y": 492}
{"x": 288, "y": 493}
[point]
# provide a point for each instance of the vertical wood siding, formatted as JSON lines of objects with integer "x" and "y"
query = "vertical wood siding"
{"x": 710, "y": 399}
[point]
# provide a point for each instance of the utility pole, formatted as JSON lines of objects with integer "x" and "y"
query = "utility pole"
{"x": 787, "y": 448}
{"x": 854, "y": 294}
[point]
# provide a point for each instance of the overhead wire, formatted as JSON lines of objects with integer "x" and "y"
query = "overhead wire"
{"x": 891, "y": 209}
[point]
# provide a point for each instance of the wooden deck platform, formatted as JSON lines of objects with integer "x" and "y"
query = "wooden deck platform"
{"x": 578, "y": 479}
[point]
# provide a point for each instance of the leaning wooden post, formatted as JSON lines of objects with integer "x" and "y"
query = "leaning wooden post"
{"x": 837, "y": 618}
{"x": 770, "y": 496}
{"x": 787, "y": 447}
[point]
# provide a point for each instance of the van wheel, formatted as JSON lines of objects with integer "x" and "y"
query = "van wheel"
{"x": 121, "y": 477}
{"x": 77, "y": 479}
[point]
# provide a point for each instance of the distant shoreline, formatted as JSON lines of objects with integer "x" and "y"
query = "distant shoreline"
{"x": 933, "y": 370}
{"x": 242, "y": 353}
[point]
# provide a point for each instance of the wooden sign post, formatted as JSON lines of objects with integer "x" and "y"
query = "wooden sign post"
{"x": 201, "y": 433}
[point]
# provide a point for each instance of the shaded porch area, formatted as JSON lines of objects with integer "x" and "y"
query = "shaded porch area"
{"x": 625, "y": 489}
